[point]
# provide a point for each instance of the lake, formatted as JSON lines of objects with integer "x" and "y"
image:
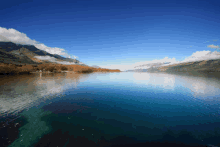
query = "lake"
{"x": 109, "y": 109}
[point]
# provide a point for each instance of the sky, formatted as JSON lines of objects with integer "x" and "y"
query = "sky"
{"x": 116, "y": 34}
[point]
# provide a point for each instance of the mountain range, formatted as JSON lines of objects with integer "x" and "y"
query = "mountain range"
{"x": 204, "y": 66}
{"x": 25, "y": 59}
{"x": 19, "y": 54}
{"x": 29, "y": 54}
{"x": 196, "y": 67}
{"x": 145, "y": 67}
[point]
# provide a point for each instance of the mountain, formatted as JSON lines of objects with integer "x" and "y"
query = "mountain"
{"x": 137, "y": 70}
{"x": 25, "y": 59}
{"x": 29, "y": 54}
{"x": 204, "y": 66}
{"x": 197, "y": 67}
{"x": 149, "y": 65}
{"x": 145, "y": 67}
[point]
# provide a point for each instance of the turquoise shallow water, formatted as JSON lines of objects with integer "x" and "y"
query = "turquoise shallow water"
{"x": 109, "y": 109}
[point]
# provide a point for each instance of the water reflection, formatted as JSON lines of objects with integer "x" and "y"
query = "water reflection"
{"x": 165, "y": 81}
{"x": 18, "y": 93}
{"x": 113, "y": 104}
{"x": 202, "y": 87}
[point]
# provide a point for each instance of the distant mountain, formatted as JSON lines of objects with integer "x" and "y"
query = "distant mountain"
{"x": 137, "y": 70}
{"x": 129, "y": 71}
{"x": 205, "y": 66}
{"x": 149, "y": 65}
{"x": 145, "y": 67}
{"x": 29, "y": 54}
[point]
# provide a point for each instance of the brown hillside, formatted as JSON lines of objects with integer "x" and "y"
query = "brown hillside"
{"x": 48, "y": 67}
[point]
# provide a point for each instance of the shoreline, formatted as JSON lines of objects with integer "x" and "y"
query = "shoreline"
{"x": 13, "y": 69}
{"x": 49, "y": 72}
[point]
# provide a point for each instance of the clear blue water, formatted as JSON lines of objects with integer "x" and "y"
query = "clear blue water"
{"x": 109, "y": 109}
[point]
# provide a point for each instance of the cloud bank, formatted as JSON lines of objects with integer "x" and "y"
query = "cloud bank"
{"x": 202, "y": 55}
{"x": 52, "y": 59}
{"x": 12, "y": 35}
{"x": 196, "y": 56}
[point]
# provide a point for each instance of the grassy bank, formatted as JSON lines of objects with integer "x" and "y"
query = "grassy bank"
{"x": 26, "y": 69}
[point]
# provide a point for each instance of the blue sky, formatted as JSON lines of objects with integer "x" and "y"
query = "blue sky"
{"x": 112, "y": 33}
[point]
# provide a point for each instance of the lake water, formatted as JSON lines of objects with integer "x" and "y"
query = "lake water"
{"x": 107, "y": 109}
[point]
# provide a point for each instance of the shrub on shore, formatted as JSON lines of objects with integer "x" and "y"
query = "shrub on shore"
{"x": 13, "y": 69}
{"x": 51, "y": 68}
{"x": 64, "y": 68}
{"x": 86, "y": 70}
{"x": 21, "y": 69}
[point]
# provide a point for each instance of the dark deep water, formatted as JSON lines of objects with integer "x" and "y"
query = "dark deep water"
{"x": 109, "y": 109}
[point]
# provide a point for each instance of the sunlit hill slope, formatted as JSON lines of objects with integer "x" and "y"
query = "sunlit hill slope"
{"x": 17, "y": 58}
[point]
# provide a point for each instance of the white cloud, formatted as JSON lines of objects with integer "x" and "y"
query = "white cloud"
{"x": 74, "y": 57}
{"x": 166, "y": 59}
{"x": 66, "y": 63}
{"x": 124, "y": 67}
{"x": 202, "y": 55}
{"x": 213, "y": 46}
{"x": 21, "y": 38}
{"x": 52, "y": 59}
{"x": 199, "y": 56}
{"x": 196, "y": 56}
{"x": 15, "y": 36}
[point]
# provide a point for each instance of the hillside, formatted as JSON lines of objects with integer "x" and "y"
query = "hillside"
{"x": 29, "y": 54}
{"x": 17, "y": 59}
{"x": 205, "y": 66}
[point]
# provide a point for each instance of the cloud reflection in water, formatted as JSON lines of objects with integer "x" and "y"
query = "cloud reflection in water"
{"x": 18, "y": 93}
